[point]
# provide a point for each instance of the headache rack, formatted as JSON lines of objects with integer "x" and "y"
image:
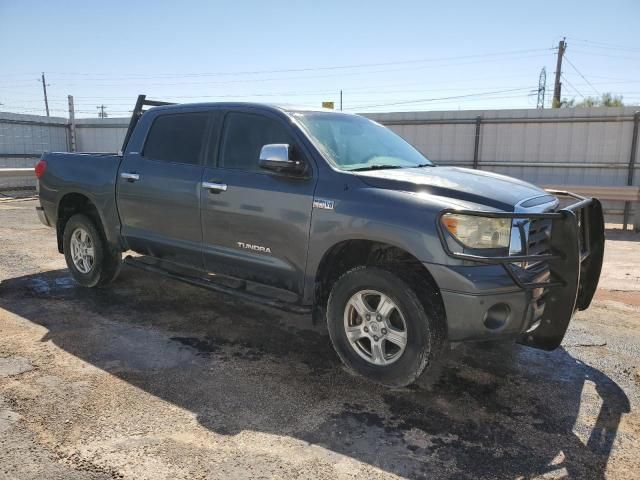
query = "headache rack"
{"x": 566, "y": 245}
{"x": 137, "y": 113}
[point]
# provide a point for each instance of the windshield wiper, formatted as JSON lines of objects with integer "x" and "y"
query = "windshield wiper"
{"x": 374, "y": 167}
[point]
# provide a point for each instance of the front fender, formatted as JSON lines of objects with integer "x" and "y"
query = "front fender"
{"x": 399, "y": 219}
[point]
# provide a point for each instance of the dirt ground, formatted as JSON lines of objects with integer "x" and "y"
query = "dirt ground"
{"x": 154, "y": 379}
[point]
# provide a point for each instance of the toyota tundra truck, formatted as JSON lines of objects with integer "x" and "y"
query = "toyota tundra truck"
{"x": 333, "y": 215}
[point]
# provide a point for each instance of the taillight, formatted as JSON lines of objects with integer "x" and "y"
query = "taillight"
{"x": 40, "y": 167}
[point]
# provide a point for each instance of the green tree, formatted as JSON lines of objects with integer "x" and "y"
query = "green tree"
{"x": 606, "y": 100}
{"x": 609, "y": 100}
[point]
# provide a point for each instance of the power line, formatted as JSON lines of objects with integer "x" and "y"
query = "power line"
{"x": 468, "y": 97}
{"x": 282, "y": 94}
{"x": 303, "y": 69}
{"x": 424, "y": 100}
{"x": 127, "y": 113}
{"x": 580, "y": 73}
{"x": 475, "y": 100}
{"x": 372, "y": 88}
{"x": 263, "y": 79}
{"x": 120, "y": 79}
{"x": 608, "y": 55}
{"x": 605, "y": 45}
{"x": 571, "y": 85}
{"x": 460, "y": 80}
{"x": 370, "y": 91}
{"x": 127, "y": 106}
{"x": 352, "y": 91}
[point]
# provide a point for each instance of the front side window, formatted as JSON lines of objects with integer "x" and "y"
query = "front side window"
{"x": 244, "y": 136}
{"x": 177, "y": 138}
{"x": 352, "y": 142}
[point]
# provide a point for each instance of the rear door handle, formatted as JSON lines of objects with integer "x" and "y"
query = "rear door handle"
{"x": 132, "y": 177}
{"x": 215, "y": 187}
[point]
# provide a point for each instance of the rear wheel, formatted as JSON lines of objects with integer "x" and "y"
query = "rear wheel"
{"x": 90, "y": 259}
{"x": 381, "y": 329}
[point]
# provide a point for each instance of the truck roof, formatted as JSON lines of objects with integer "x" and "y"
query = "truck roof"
{"x": 265, "y": 106}
{"x": 158, "y": 105}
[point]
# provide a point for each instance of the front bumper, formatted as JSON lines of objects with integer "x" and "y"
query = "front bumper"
{"x": 533, "y": 305}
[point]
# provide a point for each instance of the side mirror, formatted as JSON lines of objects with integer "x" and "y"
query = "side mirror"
{"x": 276, "y": 157}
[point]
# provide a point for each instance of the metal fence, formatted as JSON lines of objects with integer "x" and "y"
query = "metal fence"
{"x": 23, "y": 138}
{"x": 100, "y": 135}
{"x": 577, "y": 146}
{"x": 582, "y": 146}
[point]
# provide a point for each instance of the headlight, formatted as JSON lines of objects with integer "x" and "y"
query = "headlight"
{"x": 478, "y": 232}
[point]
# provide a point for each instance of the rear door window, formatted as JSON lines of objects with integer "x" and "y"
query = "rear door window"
{"x": 177, "y": 138}
{"x": 244, "y": 136}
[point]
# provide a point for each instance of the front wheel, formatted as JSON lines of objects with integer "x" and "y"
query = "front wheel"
{"x": 380, "y": 329}
{"x": 90, "y": 259}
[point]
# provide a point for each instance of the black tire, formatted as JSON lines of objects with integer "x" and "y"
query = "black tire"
{"x": 425, "y": 325}
{"x": 107, "y": 261}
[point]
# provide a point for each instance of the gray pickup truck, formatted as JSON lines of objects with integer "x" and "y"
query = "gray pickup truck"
{"x": 334, "y": 215}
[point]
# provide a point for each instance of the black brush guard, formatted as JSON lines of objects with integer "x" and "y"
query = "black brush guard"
{"x": 574, "y": 262}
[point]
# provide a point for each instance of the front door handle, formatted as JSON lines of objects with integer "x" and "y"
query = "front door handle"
{"x": 132, "y": 177}
{"x": 215, "y": 187}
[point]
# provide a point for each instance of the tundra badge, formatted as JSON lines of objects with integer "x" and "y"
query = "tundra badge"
{"x": 255, "y": 248}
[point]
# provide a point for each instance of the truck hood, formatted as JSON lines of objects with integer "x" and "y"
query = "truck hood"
{"x": 477, "y": 186}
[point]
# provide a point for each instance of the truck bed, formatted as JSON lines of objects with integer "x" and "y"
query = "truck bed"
{"x": 90, "y": 174}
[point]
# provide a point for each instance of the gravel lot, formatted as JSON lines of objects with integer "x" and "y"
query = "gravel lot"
{"x": 155, "y": 379}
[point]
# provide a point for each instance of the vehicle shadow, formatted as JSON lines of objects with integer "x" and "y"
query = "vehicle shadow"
{"x": 497, "y": 410}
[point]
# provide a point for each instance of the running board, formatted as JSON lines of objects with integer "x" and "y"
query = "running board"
{"x": 238, "y": 292}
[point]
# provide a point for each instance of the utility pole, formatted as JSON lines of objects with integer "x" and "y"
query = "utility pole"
{"x": 542, "y": 86}
{"x": 557, "y": 89}
{"x": 72, "y": 125}
{"x": 102, "y": 113}
{"x": 340, "y": 100}
{"x": 44, "y": 88}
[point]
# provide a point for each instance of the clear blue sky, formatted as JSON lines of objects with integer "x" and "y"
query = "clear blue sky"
{"x": 385, "y": 55}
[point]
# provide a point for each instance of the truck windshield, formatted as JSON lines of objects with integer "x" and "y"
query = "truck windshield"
{"x": 355, "y": 143}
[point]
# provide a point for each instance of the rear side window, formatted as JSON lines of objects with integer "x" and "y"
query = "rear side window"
{"x": 176, "y": 138}
{"x": 244, "y": 136}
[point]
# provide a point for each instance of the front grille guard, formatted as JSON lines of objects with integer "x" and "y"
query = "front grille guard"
{"x": 574, "y": 262}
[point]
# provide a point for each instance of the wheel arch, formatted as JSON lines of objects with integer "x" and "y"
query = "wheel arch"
{"x": 70, "y": 204}
{"x": 347, "y": 254}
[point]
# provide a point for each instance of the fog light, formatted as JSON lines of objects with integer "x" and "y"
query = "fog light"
{"x": 496, "y": 316}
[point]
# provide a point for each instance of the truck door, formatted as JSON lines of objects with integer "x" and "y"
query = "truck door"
{"x": 255, "y": 223}
{"x": 158, "y": 188}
